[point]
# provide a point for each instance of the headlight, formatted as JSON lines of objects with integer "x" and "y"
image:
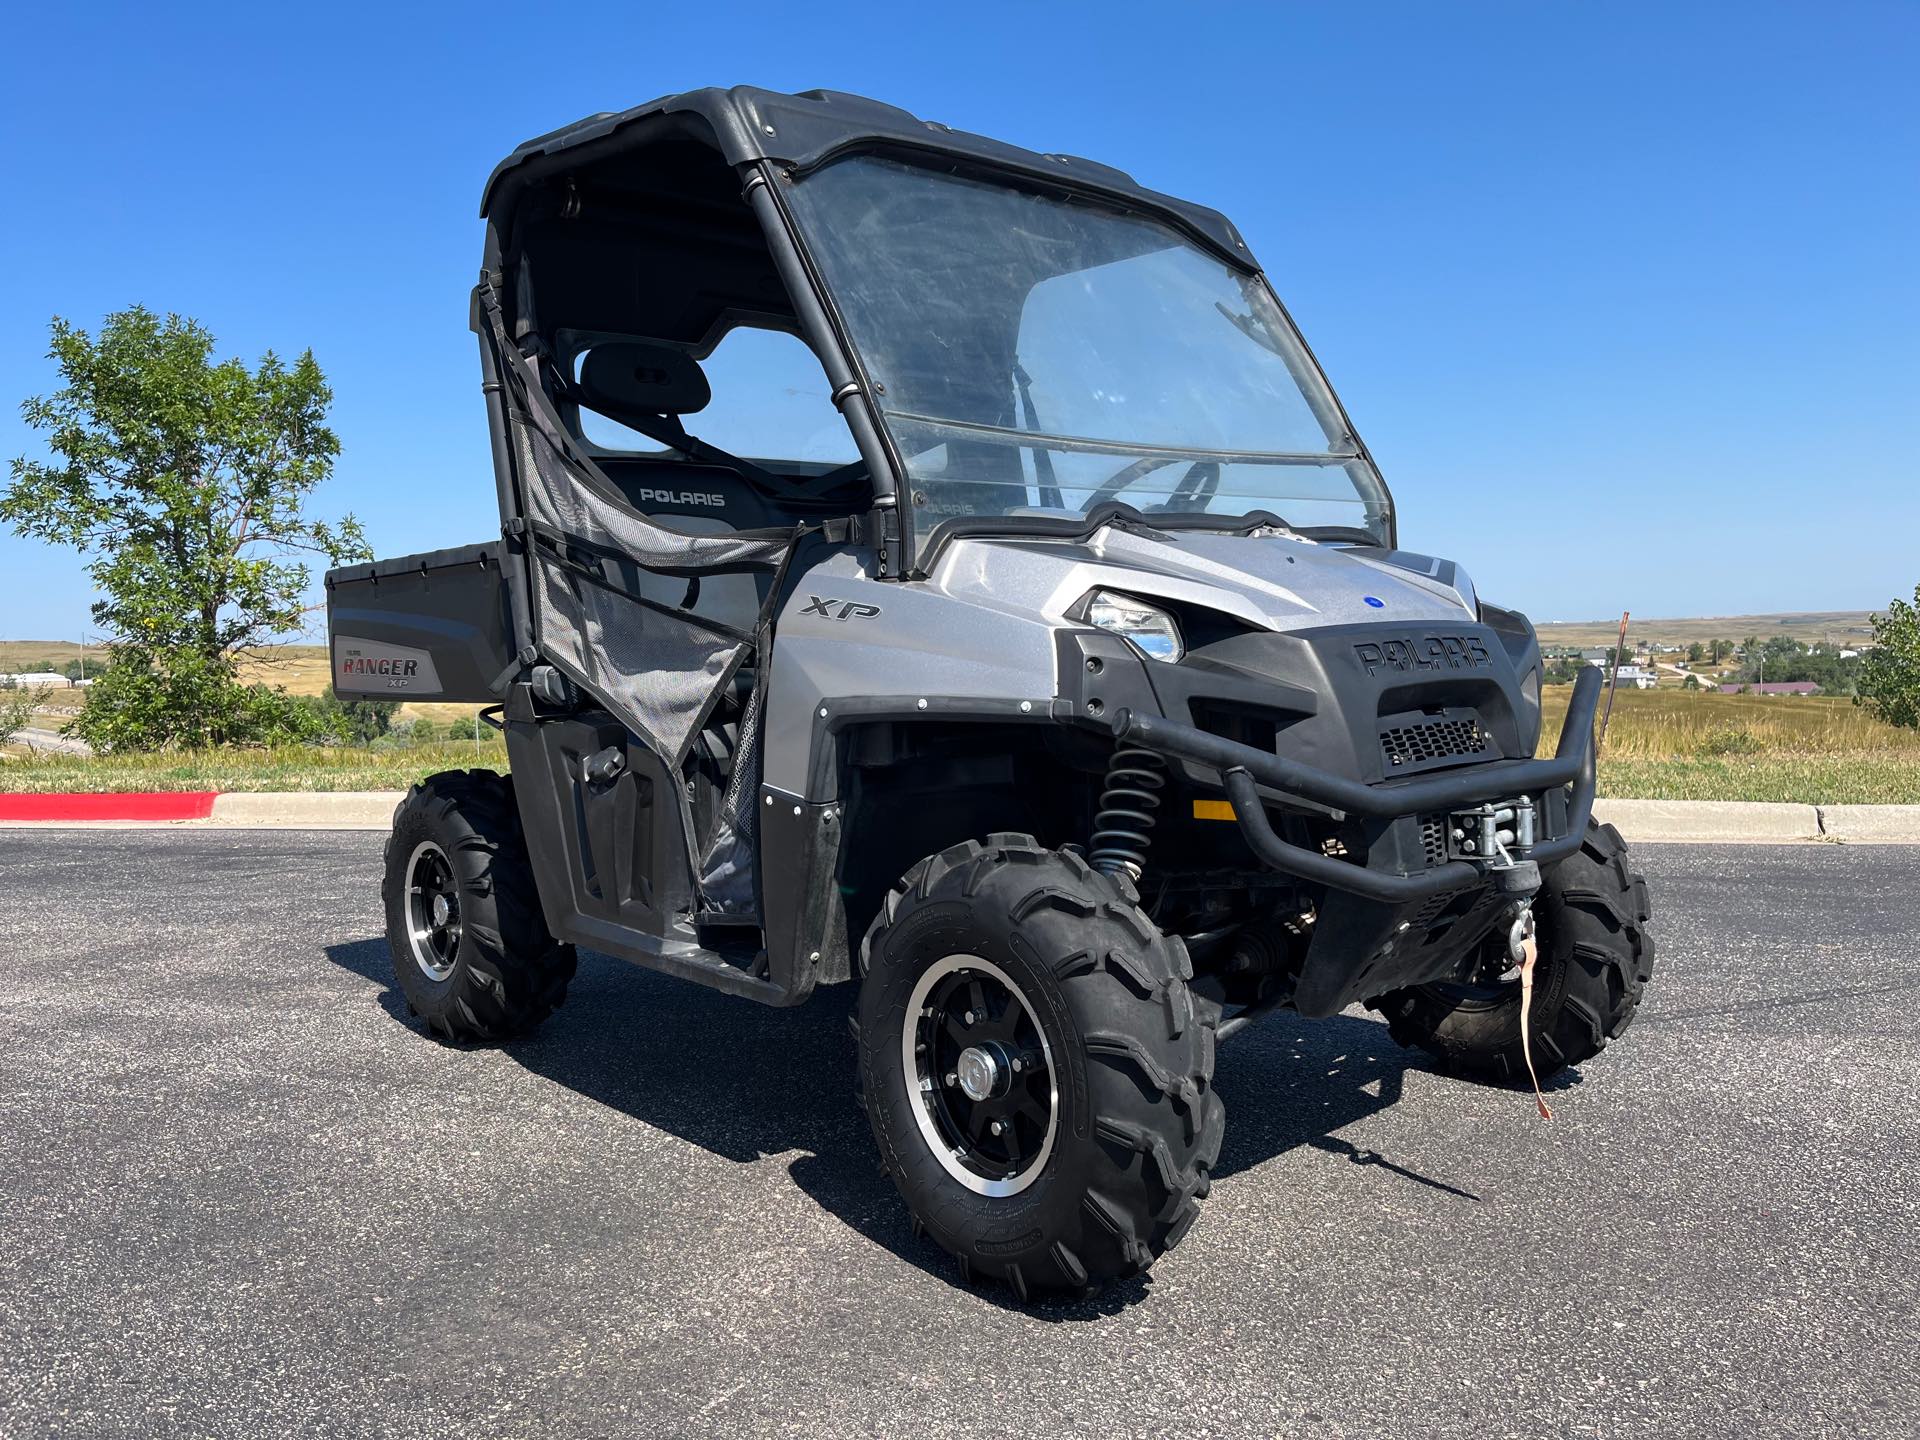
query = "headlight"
{"x": 1152, "y": 631}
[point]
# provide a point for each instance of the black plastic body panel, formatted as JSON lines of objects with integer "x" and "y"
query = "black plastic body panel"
{"x": 450, "y": 605}
{"x": 1324, "y": 693}
{"x": 610, "y": 851}
{"x": 611, "y": 865}
{"x": 798, "y": 131}
{"x": 806, "y": 926}
{"x": 1321, "y": 698}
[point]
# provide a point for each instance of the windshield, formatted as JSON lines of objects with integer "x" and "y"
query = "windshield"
{"x": 1039, "y": 356}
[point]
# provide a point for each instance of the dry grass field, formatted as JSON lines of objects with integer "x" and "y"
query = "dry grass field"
{"x": 1696, "y": 745}
{"x": 1662, "y": 744}
{"x": 1658, "y": 724}
{"x": 1842, "y": 627}
{"x": 297, "y": 669}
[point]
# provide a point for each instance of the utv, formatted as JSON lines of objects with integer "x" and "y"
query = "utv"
{"x": 1067, "y": 688}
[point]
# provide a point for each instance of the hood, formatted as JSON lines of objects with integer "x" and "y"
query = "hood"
{"x": 1272, "y": 579}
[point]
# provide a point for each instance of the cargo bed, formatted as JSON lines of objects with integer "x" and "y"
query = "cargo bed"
{"x": 420, "y": 627}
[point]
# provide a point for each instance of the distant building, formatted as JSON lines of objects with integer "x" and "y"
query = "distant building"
{"x": 34, "y": 679}
{"x": 1633, "y": 677}
{"x": 1773, "y": 687}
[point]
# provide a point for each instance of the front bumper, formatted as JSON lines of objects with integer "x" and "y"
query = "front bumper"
{"x": 1515, "y": 864}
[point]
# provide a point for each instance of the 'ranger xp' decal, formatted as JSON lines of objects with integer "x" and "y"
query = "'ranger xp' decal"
{"x": 848, "y": 609}
{"x": 378, "y": 669}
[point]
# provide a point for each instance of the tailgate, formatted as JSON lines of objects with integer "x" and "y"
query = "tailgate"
{"x": 420, "y": 627}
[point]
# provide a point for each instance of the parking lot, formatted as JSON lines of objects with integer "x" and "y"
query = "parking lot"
{"x": 241, "y": 1195}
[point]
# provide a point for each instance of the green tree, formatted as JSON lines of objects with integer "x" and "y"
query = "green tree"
{"x": 16, "y": 709}
{"x": 349, "y": 722}
{"x": 1889, "y": 679}
{"x": 185, "y": 481}
{"x": 1696, "y": 652}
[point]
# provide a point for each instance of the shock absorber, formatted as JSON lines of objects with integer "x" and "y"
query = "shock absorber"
{"x": 1123, "y": 825}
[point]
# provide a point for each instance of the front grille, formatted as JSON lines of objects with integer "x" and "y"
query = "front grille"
{"x": 1433, "y": 838}
{"x": 1426, "y": 741}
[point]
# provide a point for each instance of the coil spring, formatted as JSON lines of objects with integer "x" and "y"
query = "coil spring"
{"x": 1123, "y": 825}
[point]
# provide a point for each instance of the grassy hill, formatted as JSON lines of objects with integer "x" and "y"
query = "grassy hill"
{"x": 1809, "y": 627}
{"x": 27, "y": 655}
{"x": 297, "y": 669}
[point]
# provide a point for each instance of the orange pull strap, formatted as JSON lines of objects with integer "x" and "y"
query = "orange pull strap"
{"x": 1529, "y": 952}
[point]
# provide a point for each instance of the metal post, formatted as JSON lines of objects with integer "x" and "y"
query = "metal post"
{"x": 1613, "y": 682}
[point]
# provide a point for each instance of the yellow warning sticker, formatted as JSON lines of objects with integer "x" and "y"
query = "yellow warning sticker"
{"x": 1213, "y": 810}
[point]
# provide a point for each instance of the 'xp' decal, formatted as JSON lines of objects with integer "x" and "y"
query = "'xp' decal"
{"x": 848, "y": 609}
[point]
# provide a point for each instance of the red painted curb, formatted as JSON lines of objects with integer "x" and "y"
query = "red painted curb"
{"x": 143, "y": 805}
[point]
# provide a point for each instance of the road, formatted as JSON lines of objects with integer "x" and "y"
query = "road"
{"x": 241, "y": 1196}
{"x": 36, "y": 737}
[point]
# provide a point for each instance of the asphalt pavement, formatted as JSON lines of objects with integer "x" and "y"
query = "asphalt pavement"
{"x": 44, "y": 737}
{"x": 240, "y": 1195}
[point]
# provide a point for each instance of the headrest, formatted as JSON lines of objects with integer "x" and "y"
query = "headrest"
{"x": 638, "y": 375}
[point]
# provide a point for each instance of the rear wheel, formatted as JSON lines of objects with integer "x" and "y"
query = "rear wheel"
{"x": 1595, "y": 959}
{"x": 1035, "y": 1068}
{"x": 471, "y": 951}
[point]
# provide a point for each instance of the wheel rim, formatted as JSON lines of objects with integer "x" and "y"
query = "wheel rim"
{"x": 980, "y": 1075}
{"x": 433, "y": 911}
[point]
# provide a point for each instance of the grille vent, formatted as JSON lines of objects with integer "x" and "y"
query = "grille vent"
{"x": 1429, "y": 740}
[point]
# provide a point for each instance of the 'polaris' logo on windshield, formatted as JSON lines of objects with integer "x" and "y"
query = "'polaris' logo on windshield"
{"x": 1429, "y": 652}
{"x": 683, "y": 497}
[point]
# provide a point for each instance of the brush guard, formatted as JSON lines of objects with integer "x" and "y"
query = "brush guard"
{"x": 1495, "y": 811}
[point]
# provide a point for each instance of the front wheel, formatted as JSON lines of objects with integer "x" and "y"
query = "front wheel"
{"x": 1036, "y": 1070}
{"x": 1596, "y": 957}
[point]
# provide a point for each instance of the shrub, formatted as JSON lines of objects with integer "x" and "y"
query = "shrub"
{"x": 1730, "y": 740}
{"x": 1890, "y": 672}
{"x": 187, "y": 703}
{"x": 16, "y": 709}
{"x": 350, "y": 722}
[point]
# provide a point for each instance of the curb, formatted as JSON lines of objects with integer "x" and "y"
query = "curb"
{"x": 1746, "y": 822}
{"x": 155, "y": 808}
{"x": 1750, "y": 822}
{"x": 1652, "y": 822}
{"x": 1871, "y": 824}
{"x": 271, "y": 810}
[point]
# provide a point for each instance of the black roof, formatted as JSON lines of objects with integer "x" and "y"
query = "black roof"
{"x": 750, "y": 124}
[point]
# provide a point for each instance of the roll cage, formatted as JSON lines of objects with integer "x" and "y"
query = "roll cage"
{"x": 580, "y": 223}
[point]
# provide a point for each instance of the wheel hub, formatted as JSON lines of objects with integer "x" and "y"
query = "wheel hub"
{"x": 980, "y": 1074}
{"x": 982, "y": 1071}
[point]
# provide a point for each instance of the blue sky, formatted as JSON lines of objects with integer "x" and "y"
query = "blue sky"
{"x": 1624, "y": 297}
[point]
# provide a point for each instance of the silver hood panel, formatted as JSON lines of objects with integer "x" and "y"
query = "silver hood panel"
{"x": 1271, "y": 579}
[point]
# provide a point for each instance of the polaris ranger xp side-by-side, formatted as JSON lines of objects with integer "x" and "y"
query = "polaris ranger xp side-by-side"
{"x": 1066, "y": 688}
